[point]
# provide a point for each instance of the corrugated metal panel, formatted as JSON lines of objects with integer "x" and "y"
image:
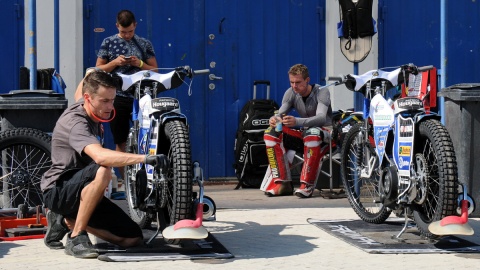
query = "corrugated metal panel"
{"x": 12, "y": 43}
{"x": 409, "y": 32}
{"x": 241, "y": 41}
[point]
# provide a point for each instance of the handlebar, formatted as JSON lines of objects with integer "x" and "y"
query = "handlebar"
{"x": 158, "y": 81}
{"x": 189, "y": 72}
{"x": 411, "y": 68}
{"x": 201, "y": 72}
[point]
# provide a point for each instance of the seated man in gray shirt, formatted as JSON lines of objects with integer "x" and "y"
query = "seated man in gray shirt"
{"x": 312, "y": 104}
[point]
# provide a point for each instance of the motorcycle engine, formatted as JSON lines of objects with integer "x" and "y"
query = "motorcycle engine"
{"x": 389, "y": 186}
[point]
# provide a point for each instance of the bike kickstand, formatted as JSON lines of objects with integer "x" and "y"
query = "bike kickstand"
{"x": 397, "y": 237}
{"x": 156, "y": 233}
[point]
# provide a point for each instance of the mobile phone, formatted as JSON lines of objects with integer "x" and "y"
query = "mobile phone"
{"x": 127, "y": 57}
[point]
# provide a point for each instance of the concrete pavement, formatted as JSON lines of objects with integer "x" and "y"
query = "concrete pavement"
{"x": 262, "y": 233}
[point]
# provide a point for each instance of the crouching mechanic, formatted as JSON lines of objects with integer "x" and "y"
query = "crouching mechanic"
{"x": 312, "y": 104}
{"x": 73, "y": 188}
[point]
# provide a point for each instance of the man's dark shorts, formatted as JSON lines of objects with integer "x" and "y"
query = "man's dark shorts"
{"x": 64, "y": 198}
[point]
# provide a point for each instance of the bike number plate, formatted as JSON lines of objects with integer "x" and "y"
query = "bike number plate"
{"x": 382, "y": 115}
{"x": 152, "y": 145}
{"x": 403, "y": 147}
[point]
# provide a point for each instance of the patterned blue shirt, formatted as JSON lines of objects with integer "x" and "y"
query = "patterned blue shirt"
{"x": 113, "y": 46}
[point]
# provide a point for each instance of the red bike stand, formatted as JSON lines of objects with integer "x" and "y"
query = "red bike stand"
{"x": 21, "y": 227}
{"x": 453, "y": 225}
{"x": 187, "y": 228}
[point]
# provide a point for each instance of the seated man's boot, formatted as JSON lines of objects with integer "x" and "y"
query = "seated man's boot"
{"x": 279, "y": 167}
{"x": 282, "y": 188}
{"x": 306, "y": 189}
{"x": 312, "y": 155}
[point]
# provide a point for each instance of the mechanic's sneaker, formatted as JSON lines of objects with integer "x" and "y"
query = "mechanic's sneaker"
{"x": 80, "y": 246}
{"x": 56, "y": 230}
{"x": 305, "y": 190}
{"x": 282, "y": 188}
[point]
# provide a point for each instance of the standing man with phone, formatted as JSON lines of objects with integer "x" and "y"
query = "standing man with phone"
{"x": 124, "y": 53}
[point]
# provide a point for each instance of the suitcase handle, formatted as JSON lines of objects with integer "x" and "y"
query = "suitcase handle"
{"x": 261, "y": 82}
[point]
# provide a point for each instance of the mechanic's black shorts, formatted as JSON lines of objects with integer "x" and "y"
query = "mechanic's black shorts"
{"x": 120, "y": 125}
{"x": 64, "y": 198}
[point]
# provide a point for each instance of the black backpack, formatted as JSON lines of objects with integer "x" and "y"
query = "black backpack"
{"x": 250, "y": 154}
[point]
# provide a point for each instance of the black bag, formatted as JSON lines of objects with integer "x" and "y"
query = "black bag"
{"x": 250, "y": 154}
{"x": 342, "y": 121}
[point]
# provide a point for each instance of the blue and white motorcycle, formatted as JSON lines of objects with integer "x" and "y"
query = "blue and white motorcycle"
{"x": 159, "y": 127}
{"x": 400, "y": 158}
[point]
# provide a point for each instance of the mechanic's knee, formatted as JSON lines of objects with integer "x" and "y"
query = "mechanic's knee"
{"x": 104, "y": 174}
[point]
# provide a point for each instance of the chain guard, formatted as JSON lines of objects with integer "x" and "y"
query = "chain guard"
{"x": 389, "y": 186}
{"x": 140, "y": 189}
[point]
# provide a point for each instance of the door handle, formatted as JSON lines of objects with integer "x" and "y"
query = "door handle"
{"x": 213, "y": 77}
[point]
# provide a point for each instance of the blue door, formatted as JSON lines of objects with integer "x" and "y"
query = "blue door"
{"x": 255, "y": 40}
{"x": 12, "y": 43}
{"x": 239, "y": 41}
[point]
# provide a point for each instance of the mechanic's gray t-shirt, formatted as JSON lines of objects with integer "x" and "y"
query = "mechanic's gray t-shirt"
{"x": 72, "y": 133}
{"x": 316, "y": 111}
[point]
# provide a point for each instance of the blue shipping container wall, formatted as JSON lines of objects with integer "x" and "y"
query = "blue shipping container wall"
{"x": 240, "y": 41}
{"x": 243, "y": 41}
{"x": 409, "y": 32}
{"x": 12, "y": 46}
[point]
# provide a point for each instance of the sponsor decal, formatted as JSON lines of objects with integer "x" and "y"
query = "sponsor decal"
{"x": 164, "y": 103}
{"x": 273, "y": 163}
{"x": 260, "y": 122}
{"x": 382, "y": 117}
{"x": 349, "y": 233}
{"x": 381, "y": 144}
{"x": 403, "y": 163}
{"x": 406, "y": 129}
{"x": 379, "y": 107}
{"x": 404, "y": 151}
{"x": 243, "y": 153}
{"x": 409, "y": 102}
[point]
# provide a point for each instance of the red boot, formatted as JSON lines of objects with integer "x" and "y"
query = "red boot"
{"x": 279, "y": 166}
{"x": 311, "y": 165}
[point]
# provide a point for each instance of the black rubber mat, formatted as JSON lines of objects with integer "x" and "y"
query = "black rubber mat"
{"x": 380, "y": 238}
{"x": 158, "y": 250}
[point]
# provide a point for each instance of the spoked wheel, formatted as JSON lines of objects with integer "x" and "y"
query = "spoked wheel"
{"x": 177, "y": 195}
{"x": 134, "y": 188}
{"x": 25, "y": 156}
{"x": 363, "y": 193}
{"x": 441, "y": 181}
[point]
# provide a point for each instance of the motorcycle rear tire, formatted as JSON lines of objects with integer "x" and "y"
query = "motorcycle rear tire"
{"x": 25, "y": 157}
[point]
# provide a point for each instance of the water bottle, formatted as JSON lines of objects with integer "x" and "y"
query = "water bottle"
{"x": 278, "y": 127}
{"x": 114, "y": 182}
{"x": 144, "y": 121}
{"x": 144, "y": 116}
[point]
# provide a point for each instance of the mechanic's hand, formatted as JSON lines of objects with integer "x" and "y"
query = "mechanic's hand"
{"x": 159, "y": 161}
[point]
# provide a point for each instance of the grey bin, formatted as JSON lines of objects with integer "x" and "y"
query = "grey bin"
{"x": 39, "y": 109}
{"x": 462, "y": 120}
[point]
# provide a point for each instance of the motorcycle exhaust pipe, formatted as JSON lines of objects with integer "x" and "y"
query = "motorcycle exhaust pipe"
{"x": 209, "y": 209}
